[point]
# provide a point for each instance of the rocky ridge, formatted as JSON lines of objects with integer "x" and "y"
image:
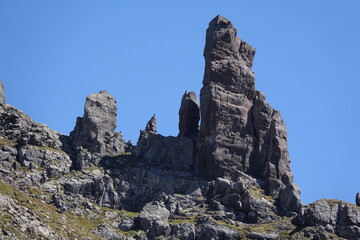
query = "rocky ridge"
{"x": 227, "y": 178}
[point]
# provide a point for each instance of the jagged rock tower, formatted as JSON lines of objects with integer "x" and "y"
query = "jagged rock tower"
{"x": 95, "y": 131}
{"x": 239, "y": 131}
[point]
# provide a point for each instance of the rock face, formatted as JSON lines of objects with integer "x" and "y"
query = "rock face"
{"x": 151, "y": 124}
{"x": 189, "y": 115}
{"x": 239, "y": 130}
{"x": 335, "y": 216}
{"x": 229, "y": 180}
{"x": 177, "y": 153}
{"x": 95, "y": 130}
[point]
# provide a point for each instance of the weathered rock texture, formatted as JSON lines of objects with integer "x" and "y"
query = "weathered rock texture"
{"x": 239, "y": 130}
{"x": 189, "y": 115}
{"x": 2, "y": 95}
{"x": 332, "y": 216}
{"x": 87, "y": 187}
{"x": 151, "y": 124}
{"x": 95, "y": 130}
{"x": 177, "y": 153}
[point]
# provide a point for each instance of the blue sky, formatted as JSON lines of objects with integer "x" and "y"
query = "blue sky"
{"x": 147, "y": 53}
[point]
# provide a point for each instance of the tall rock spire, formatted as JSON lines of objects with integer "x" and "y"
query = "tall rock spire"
{"x": 225, "y": 102}
{"x": 239, "y": 131}
{"x": 2, "y": 95}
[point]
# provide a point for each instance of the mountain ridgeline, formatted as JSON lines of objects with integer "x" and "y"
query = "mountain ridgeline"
{"x": 228, "y": 177}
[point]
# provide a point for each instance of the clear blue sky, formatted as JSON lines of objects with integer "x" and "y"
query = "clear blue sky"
{"x": 147, "y": 53}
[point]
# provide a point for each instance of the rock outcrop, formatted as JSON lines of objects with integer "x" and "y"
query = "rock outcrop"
{"x": 330, "y": 216}
{"x": 95, "y": 131}
{"x": 239, "y": 130}
{"x": 151, "y": 124}
{"x": 2, "y": 95}
{"x": 176, "y": 153}
{"x": 189, "y": 115}
{"x": 230, "y": 179}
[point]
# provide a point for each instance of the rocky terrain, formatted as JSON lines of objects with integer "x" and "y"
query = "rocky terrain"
{"x": 227, "y": 178}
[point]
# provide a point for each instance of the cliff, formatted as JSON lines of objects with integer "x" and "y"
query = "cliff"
{"x": 228, "y": 177}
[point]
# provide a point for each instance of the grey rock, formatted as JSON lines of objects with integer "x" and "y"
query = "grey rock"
{"x": 357, "y": 199}
{"x": 348, "y": 232}
{"x": 55, "y": 162}
{"x": 95, "y": 130}
{"x": 233, "y": 200}
{"x": 189, "y": 115}
{"x": 151, "y": 124}
{"x": 348, "y": 214}
{"x": 8, "y": 160}
{"x": 239, "y": 130}
{"x": 159, "y": 228}
{"x": 107, "y": 232}
{"x": 175, "y": 153}
{"x": 184, "y": 231}
{"x": 151, "y": 213}
{"x": 26, "y": 219}
{"x": 2, "y": 95}
{"x": 93, "y": 184}
{"x": 221, "y": 186}
{"x": 333, "y": 216}
{"x": 126, "y": 223}
{"x": 254, "y": 204}
{"x": 219, "y": 232}
{"x": 18, "y": 128}
{"x": 317, "y": 233}
{"x": 262, "y": 236}
{"x": 319, "y": 213}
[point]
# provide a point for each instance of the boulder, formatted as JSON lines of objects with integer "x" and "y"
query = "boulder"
{"x": 153, "y": 212}
{"x": 184, "y": 231}
{"x": 107, "y": 232}
{"x": 159, "y": 228}
{"x": 213, "y": 231}
{"x": 262, "y": 236}
{"x": 95, "y": 130}
{"x": 357, "y": 199}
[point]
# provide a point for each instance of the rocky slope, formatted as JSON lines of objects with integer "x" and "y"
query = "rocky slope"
{"x": 227, "y": 178}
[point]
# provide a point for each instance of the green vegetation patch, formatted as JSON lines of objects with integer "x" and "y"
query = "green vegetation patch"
{"x": 260, "y": 194}
{"x": 272, "y": 227}
{"x": 34, "y": 191}
{"x": 242, "y": 230}
{"x": 122, "y": 154}
{"x": 333, "y": 202}
{"x": 50, "y": 149}
{"x": 5, "y": 142}
{"x": 65, "y": 225}
{"x": 182, "y": 219}
{"x": 120, "y": 212}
